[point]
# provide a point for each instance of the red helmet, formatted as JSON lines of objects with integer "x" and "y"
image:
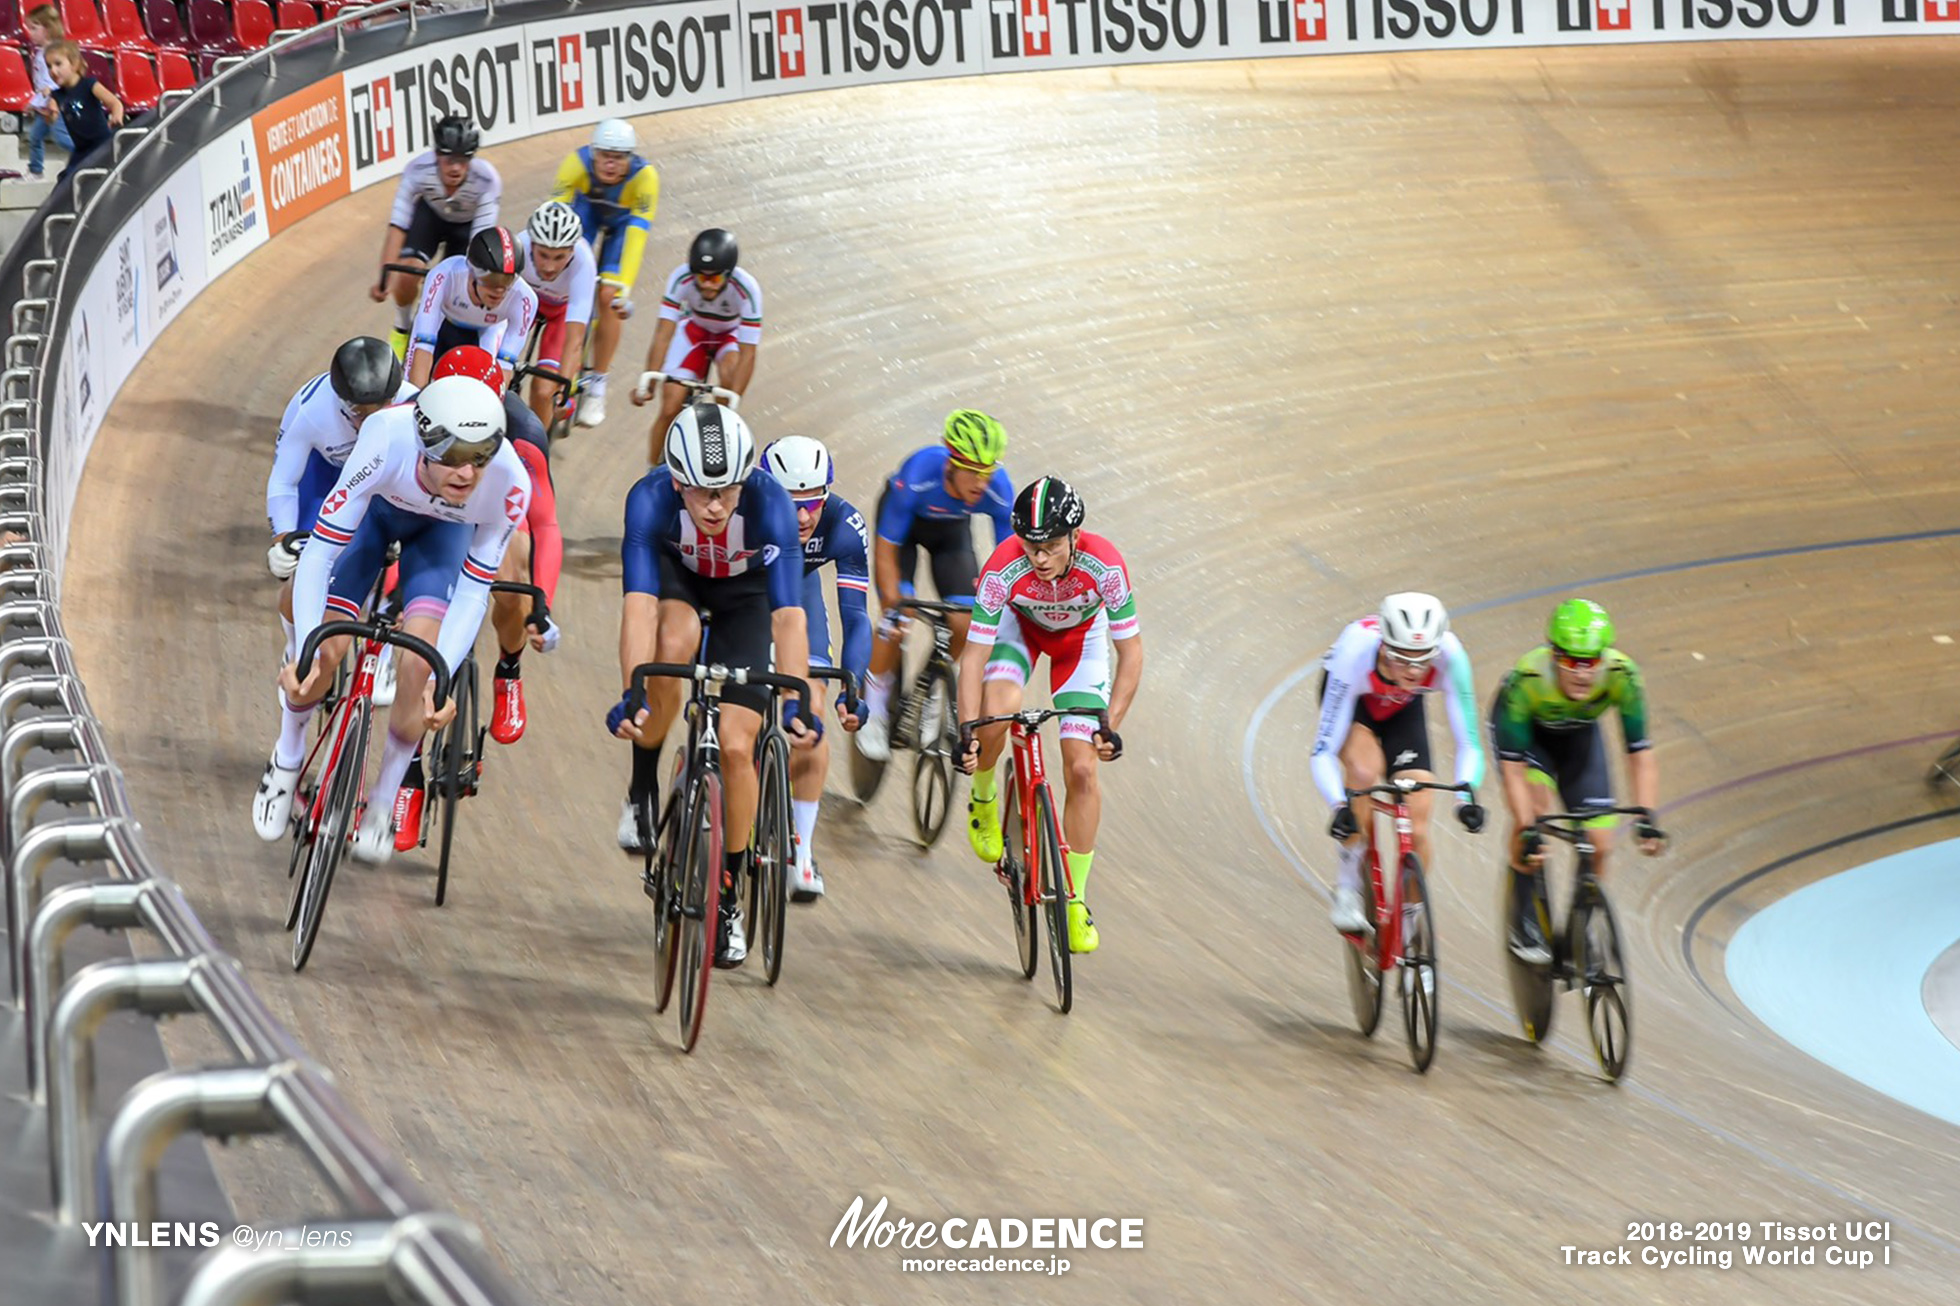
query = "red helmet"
{"x": 468, "y": 360}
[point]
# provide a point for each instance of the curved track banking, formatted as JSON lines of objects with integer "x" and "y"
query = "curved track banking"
{"x": 1303, "y": 333}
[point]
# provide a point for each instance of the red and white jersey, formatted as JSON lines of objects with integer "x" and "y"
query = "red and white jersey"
{"x": 572, "y": 288}
{"x": 1354, "y": 685}
{"x": 447, "y": 296}
{"x": 737, "y": 309}
{"x": 1096, "y": 582}
{"x": 386, "y": 465}
{"x": 474, "y": 201}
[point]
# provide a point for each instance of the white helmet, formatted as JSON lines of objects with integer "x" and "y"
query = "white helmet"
{"x": 710, "y": 446}
{"x": 1413, "y": 625}
{"x": 799, "y": 464}
{"x": 460, "y": 420}
{"x": 615, "y": 134}
{"x": 555, "y": 225}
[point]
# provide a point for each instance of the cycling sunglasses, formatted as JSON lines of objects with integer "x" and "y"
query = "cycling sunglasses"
{"x": 1572, "y": 663}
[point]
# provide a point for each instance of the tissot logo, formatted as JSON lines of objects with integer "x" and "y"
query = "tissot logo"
{"x": 393, "y": 115}
{"x": 1292, "y": 20}
{"x": 571, "y": 73}
{"x": 372, "y": 115}
{"x": 624, "y": 64}
{"x": 851, "y": 36}
{"x": 1019, "y": 28}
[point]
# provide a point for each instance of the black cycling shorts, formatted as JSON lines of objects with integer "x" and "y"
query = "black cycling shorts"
{"x": 1573, "y": 755}
{"x": 1404, "y": 735}
{"x": 738, "y": 616}
{"x": 432, "y": 237}
{"x": 949, "y": 545}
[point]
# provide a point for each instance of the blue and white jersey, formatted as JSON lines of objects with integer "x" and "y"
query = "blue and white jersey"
{"x": 760, "y": 536}
{"x": 316, "y": 425}
{"x": 918, "y": 491}
{"x": 840, "y": 538}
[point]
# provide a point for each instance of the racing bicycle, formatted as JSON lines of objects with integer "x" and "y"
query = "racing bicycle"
{"x": 1401, "y": 940}
{"x": 1586, "y": 952}
{"x": 924, "y": 720}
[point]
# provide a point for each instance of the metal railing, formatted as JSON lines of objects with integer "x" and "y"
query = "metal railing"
{"x": 64, "y": 801}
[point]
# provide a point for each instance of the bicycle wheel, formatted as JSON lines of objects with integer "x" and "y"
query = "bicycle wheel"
{"x": 1531, "y": 986}
{"x": 668, "y": 847}
{"x": 457, "y": 755}
{"x": 775, "y": 848}
{"x": 932, "y": 764}
{"x": 1600, "y": 965}
{"x": 343, "y": 786}
{"x": 1945, "y": 766}
{"x": 1053, "y": 879}
{"x": 700, "y": 906}
{"x": 1364, "y": 968}
{"x": 303, "y": 836}
{"x": 1418, "y": 967}
{"x": 1018, "y": 875}
{"x": 866, "y": 774}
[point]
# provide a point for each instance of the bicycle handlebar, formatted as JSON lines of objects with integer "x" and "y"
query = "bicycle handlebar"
{"x": 929, "y": 608}
{"x": 719, "y": 674}
{"x": 1399, "y": 789}
{"x": 851, "y": 700}
{"x": 412, "y": 269}
{"x": 294, "y": 541}
{"x": 695, "y": 388}
{"x": 383, "y": 634}
{"x": 523, "y": 370}
{"x": 1034, "y": 717}
{"x": 540, "y": 618}
{"x": 1574, "y": 830}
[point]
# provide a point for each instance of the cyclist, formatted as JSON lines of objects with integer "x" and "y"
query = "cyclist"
{"x": 437, "y": 477}
{"x": 446, "y": 196}
{"x": 316, "y": 434}
{"x": 925, "y": 505}
{"x": 832, "y": 531}
{"x": 559, "y": 268}
{"x": 1373, "y": 727}
{"x": 1545, "y": 718}
{"x": 712, "y": 309}
{"x": 614, "y": 191}
{"x": 1058, "y": 590}
{"x": 710, "y": 532}
{"x": 475, "y": 298}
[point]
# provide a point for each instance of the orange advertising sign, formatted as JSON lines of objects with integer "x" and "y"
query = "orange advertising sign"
{"x": 302, "y": 143}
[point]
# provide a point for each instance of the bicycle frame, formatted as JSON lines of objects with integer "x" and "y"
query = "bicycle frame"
{"x": 360, "y": 689}
{"x": 1394, "y": 796}
{"x": 1030, "y": 775}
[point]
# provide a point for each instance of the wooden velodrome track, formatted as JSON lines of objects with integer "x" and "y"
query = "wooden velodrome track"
{"x": 1303, "y": 333}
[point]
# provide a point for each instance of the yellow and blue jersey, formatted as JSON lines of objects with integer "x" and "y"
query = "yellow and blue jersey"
{"x": 616, "y": 218}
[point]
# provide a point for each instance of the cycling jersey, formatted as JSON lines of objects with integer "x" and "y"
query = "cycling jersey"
{"x": 616, "y": 218}
{"x": 1530, "y": 700}
{"x": 384, "y": 468}
{"x": 569, "y": 294}
{"x": 917, "y": 492}
{"x": 474, "y": 201}
{"x": 760, "y": 537}
{"x": 541, "y": 521}
{"x": 1096, "y": 582}
{"x": 839, "y": 538}
{"x": 735, "y": 310}
{"x": 446, "y": 298}
{"x": 1355, "y": 685}
{"x": 315, "y": 436}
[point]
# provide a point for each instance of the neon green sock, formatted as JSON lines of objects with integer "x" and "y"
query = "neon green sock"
{"x": 984, "y": 790}
{"x": 1078, "y": 872}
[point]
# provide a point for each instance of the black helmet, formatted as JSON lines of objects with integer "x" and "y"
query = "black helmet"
{"x": 494, "y": 252}
{"x": 455, "y": 135}
{"x": 713, "y": 253}
{"x": 1047, "y": 509}
{"x": 365, "y": 371}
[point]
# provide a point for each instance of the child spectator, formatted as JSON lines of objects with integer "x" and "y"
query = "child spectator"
{"x": 43, "y": 24}
{"x": 88, "y": 108}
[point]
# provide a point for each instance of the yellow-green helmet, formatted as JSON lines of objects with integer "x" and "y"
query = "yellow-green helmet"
{"x": 1580, "y": 628}
{"x": 975, "y": 438}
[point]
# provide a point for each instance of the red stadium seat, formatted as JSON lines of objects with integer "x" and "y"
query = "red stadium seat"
{"x": 84, "y": 23}
{"x": 211, "y": 30}
{"x": 252, "y": 23}
{"x": 166, "y": 25}
{"x": 296, "y": 14}
{"x": 176, "y": 70}
{"x": 102, "y": 67}
{"x": 138, "y": 78}
{"x": 16, "y": 87}
{"x": 126, "y": 26}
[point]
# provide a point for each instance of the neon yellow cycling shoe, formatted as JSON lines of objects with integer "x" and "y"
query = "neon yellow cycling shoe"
{"x": 983, "y": 828}
{"x": 1082, "y": 935}
{"x": 398, "y": 341}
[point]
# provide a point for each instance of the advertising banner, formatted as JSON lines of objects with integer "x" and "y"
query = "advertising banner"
{"x": 234, "y": 221}
{"x": 302, "y": 149}
{"x": 173, "y": 245}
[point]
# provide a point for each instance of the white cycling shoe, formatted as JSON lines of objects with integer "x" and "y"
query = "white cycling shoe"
{"x": 272, "y": 806}
{"x": 374, "y": 842}
{"x": 592, "y": 399}
{"x": 874, "y": 738}
{"x": 805, "y": 881}
{"x": 1348, "y": 915}
{"x": 629, "y": 829}
{"x": 384, "y": 680}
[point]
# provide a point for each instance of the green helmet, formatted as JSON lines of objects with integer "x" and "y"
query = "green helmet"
{"x": 975, "y": 437}
{"x": 1580, "y": 627}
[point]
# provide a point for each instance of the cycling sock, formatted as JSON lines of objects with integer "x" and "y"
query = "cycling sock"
{"x": 292, "y": 652}
{"x": 1349, "y": 874}
{"x": 731, "y": 872}
{"x": 414, "y": 779}
{"x": 1078, "y": 872}
{"x": 404, "y": 316}
{"x": 877, "y": 693}
{"x": 646, "y": 773}
{"x": 805, "y": 815}
{"x": 290, "y": 751}
{"x": 395, "y": 756}
{"x": 508, "y": 667}
{"x": 985, "y": 785}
